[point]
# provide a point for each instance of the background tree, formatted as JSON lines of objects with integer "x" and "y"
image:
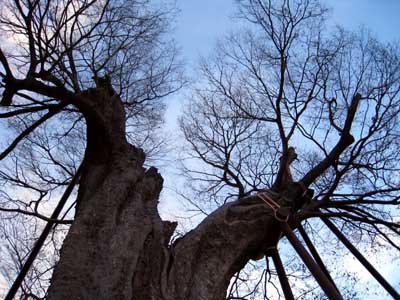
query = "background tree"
{"x": 19, "y": 234}
{"x": 286, "y": 81}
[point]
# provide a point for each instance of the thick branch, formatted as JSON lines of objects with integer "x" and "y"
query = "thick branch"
{"x": 207, "y": 257}
{"x": 29, "y": 130}
{"x": 35, "y": 214}
{"x": 345, "y": 141}
{"x": 5, "y": 64}
{"x": 27, "y": 110}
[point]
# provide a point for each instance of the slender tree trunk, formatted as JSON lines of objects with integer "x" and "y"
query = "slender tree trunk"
{"x": 117, "y": 247}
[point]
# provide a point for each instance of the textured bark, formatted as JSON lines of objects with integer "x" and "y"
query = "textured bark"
{"x": 115, "y": 243}
{"x": 117, "y": 247}
{"x": 204, "y": 261}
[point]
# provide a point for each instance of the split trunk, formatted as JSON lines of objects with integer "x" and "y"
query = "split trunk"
{"x": 119, "y": 248}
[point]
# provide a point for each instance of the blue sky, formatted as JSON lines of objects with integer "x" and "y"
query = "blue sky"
{"x": 201, "y": 22}
{"x": 381, "y": 16}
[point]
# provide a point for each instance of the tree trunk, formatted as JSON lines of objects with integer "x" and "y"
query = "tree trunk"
{"x": 117, "y": 247}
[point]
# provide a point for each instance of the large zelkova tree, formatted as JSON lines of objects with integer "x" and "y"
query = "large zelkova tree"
{"x": 309, "y": 114}
{"x": 81, "y": 84}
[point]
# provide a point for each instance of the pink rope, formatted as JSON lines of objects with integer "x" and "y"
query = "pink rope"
{"x": 273, "y": 205}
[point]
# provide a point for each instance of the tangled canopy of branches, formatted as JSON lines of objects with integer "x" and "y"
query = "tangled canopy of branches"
{"x": 60, "y": 48}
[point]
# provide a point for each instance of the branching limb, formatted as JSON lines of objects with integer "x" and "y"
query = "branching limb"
{"x": 30, "y": 129}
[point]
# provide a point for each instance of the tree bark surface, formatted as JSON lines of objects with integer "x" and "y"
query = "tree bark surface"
{"x": 118, "y": 246}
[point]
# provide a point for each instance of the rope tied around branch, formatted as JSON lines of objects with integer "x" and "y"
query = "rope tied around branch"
{"x": 281, "y": 213}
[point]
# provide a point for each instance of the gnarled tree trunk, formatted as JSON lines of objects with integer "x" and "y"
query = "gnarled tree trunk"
{"x": 118, "y": 246}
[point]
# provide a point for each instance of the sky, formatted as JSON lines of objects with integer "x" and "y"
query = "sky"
{"x": 201, "y": 22}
